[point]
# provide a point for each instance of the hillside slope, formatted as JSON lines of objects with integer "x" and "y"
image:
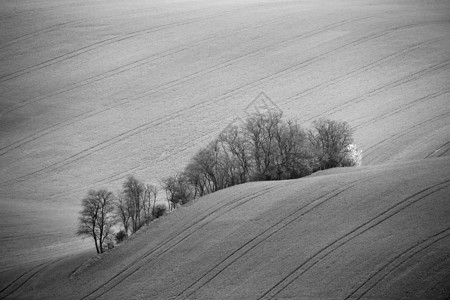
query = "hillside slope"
{"x": 94, "y": 90}
{"x": 379, "y": 232}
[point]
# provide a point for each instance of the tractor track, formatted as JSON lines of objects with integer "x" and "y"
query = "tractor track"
{"x": 139, "y": 63}
{"x": 251, "y": 244}
{"x": 170, "y": 243}
{"x": 28, "y": 275}
{"x": 368, "y": 151}
{"x": 39, "y": 32}
{"x": 380, "y": 89}
{"x": 166, "y": 86}
{"x": 110, "y": 41}
{"x": 397, "y": 261}
{"x": 162, "y": 87}
{"x": 404, "y": 107}
{"x": 432, "y": 154}
{"x": 358, "y": 231}
{"x": 142, "y": 165}
{"x": 361, "y": 70}
{"x": 228, "y": 94}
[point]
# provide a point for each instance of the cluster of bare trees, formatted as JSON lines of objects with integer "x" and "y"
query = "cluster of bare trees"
{"x": 135, "y": 204}
{"x": 130, "y": 209}
{"x": 263, "y": 147}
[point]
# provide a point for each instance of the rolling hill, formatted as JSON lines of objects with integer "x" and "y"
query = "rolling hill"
{"x": 91, "y": 91}
{"x": 374, "y": 232}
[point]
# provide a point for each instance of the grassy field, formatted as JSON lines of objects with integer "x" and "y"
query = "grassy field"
{"x": 91, "y": 91}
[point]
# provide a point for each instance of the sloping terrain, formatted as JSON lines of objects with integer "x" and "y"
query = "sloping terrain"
{"x": 371, "y": 233}
{"x": 94, "y": 90}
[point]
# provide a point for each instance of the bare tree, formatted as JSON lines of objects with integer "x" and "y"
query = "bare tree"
{"x": 261, "y": 133}
{"x": 97, "y": 217}
{"x": 123, "y": 213}
{"x": 178, "y": 190}
{"x": 237, "y": 148}
{"x": 206, "y": 164}
{"x": 294, "y": 157}
{"x": 330, "y": 140}
{"x": 149, "y": 202}
{"x": 133, "y": 189}
{"x": 196, "y": 178}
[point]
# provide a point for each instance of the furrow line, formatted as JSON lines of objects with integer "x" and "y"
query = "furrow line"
{"x": 237, "y": 254}
{"x": 139, "y": 63}
{"x": 395, "y": 111}
{"x": 443, "y": 153}
{"x": 18, "y": 278}
{"x": 394, "y": 263}
{"x": 228, "y": 94}
{"x": 171, "y": 243}
{"x": 160, "y": 88}
{"x": 358, "y": 231}
{"x": 404, "y": 132}
{"x": 39, "y": 32}
{"x": 361, "y": 70}
{"x": 105, "y": 42}
{"x": 393, "y": 84}
{"x": 33, "y": 272}
{"x": 437, "y": 150}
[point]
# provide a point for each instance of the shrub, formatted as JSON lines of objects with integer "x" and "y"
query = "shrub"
{"x": 121, "y": 236}
{"x": 353, "y": 156}
{"x": 159, "y": 211}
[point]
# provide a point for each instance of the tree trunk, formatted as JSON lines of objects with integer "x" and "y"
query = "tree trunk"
{"x": 96, "y": 244}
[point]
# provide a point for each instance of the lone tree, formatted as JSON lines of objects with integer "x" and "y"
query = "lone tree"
{"x": 97, "y": 217}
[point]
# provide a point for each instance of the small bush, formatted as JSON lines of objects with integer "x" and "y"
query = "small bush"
{"x": 148, "y": 219}
{"x": 159, "y": 211}
{"x": 120, "y": 236}
{"x": 353, "y": 156}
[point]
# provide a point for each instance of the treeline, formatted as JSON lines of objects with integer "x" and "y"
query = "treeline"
{"x": 263, "y": 147}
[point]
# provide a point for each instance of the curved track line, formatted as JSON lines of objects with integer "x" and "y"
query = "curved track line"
{"x": 394, "y": 263}
{"x": 136, "y": 168}
{"x": 368, "y": 151}
{"x": 18, "y": 278}
{"x": 172, "y": 242}
{"x": 439, "y": 149}
{"x": 165, "y": 86}
{"x": 261, "y": 237}
{"x": 361, "y": 70}
{"x": 228, "y": 94}
{"x": 108, "y": 41}
{"x": 191, "y": 76}
{"x": 33, "y": 272}
{"x": 39, "y": 32}
{"x": 405, "y": 260}
{"x": 444, "y": 153}
{"x": 176, "y": 82}
{"x": 139, "y": 63}
{"x": 408, "y": 105}
{"x": 358, "y": 231}
{"x": 308, "y": 91}
{"x": 382, "y": 88}
{"x": 18, "y": 13}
